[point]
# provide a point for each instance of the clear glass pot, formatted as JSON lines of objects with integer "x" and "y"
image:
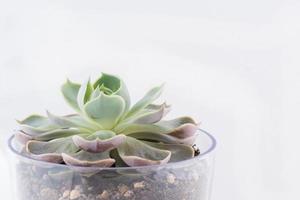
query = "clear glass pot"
{"x": 185, "y": 180}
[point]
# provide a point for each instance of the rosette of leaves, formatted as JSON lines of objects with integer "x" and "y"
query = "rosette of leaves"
{"x": 106, "y": 130}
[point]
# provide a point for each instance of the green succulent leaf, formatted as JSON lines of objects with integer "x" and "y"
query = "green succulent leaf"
{"x": 29, "y": 130}
{"x": 99, "y": 143}
{"x": 165, "y": 138}
{"x": 87, "y": 159}
{"x": 105, "y": 131}
{"x": 106, "y": 90}
{"x": 179, "y": 151}
{"x": 96, "y": 93}
{"x": 57, "y": 133}
{"x": 156, "y": 106}
{"x": 118, "y": 160}
{"x": 70, "y": 91}
{"x": 110, "y": 84}
{"x": 136, "y": 153}
{"x": 178, "y": 125}
{"x": 70, "y": 121}
{"x": 36, "y": 124}
{"x": 127, "y": 129}
{"x": 62, "y": 122}
{"x": 151, "y": 116}
{"x": 51, "y": 150}
{"x": 84, "y": 94}
{"x": 60, "y": 145}
{"x": 105, "y": 110}
{"x": 35, "y": 121}
{"x": 102, "y": 135}
{"x": 151, "y": 96}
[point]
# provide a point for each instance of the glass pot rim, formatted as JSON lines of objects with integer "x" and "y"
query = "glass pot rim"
{"x": 202, "y": 156}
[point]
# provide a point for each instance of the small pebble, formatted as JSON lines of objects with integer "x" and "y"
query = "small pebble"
{"x": 75, "y": 194}
{"x": 66, "y": 193}
{"x": 103, "y": 195}
{"x": 171, "y": 178}
{"x": 123, "y": 189}
{"x": 139, "y": 185}
{"x": 128, "y": 194}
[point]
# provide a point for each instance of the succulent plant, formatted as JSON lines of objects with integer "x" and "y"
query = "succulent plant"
{"x": 106, "y": 130}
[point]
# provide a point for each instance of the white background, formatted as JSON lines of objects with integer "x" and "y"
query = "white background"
{"x": 231, "y": 64}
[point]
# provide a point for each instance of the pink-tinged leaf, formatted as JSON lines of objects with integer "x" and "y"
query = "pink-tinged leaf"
{"x": 50, "y": 151}
{"x": 136, "y": 153}
{"x": 22, "y": 137}
{"x": 162, "y": 127}
{"x": 97, "y": 145}
{"x": 86, "y": 159}
{"x": 48, "y": 157}
{"x": 184, "y": 131}
{"x": 175, "y": 123}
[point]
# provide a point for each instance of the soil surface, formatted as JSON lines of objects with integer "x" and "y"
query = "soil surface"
{"x": 182, "y": 183}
